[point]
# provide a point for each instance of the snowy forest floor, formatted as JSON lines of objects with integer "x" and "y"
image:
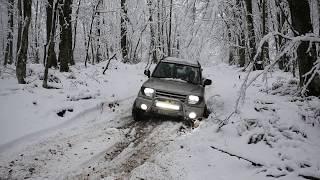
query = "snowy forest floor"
{"x": 83, "y": 128}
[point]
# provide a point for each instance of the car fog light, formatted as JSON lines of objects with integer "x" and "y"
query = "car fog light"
{"x": 192, "y": 115}
{"x": 144, "y": 107}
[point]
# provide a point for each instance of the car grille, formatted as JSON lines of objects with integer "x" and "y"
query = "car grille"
{"x": 163, "y": 94}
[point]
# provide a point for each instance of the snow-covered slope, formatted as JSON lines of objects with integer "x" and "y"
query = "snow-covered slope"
{"x": 26, "y": 109}
{"x": 278, "y": 133}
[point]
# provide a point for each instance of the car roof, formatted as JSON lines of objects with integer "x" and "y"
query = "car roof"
{"x": 181, "y": 61}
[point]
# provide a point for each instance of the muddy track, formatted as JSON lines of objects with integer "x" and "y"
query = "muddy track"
{"x": 111, "y": 147}
{"x": 142, "y": 140}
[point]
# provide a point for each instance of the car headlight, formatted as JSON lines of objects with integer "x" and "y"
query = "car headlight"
{"x": 193, "y": 99}
{"x": 148, "y": 92}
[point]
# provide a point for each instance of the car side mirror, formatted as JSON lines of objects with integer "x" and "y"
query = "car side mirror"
{"x": 207, "y": 82}
{"x": 147, "y": 73}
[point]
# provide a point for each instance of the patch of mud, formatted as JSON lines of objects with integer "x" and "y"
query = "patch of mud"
{"x": 93, "y": 149}
{"x": 142, "y": 140}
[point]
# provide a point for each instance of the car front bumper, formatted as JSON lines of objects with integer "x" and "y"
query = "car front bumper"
{"x": 169, "y": 107}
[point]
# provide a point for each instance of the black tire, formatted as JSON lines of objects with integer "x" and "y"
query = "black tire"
{"x": 206, "y": 112}
{"x": 137, "y": 114}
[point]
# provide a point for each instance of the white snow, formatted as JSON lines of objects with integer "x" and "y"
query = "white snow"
{"x": 27, "y": 109}
{"x": 279, "y": 121}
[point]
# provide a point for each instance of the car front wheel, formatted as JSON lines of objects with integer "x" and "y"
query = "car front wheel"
{"x": 206, "y": 112}
{"x": 138, "y": 115}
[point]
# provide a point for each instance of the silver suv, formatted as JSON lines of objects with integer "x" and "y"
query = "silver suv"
{"x": 175, "y": 88}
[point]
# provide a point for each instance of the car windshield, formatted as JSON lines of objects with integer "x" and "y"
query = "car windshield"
{"x": 174, "y": 71}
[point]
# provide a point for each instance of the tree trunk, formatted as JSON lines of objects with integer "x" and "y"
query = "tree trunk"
{"x": 241, "y": 36}
{"x": 89, "y": 38}
{"x": 280, "y": 41}
{"x": 318, "y": 27}
{"x": 163, "y": 17}
{"x": 3, "y": 39}
{"x": 124, "y": 48}
{"x": 251, "y": 34}
{"x": 170, "y": 29}
{"x": 36, "y": 35}
{"x": 231, "y": 48}
{"x": 8, "y": 59}
{"x": 90, "y": 34}
{"x": 264, "y": 56}
{"x": 75, "y": 31}
{"x": 152, "y": 34}
{"x": 306, "y": 56}
{"x": 65, "y": 46}
{"x": 92, "y": 53}
{"x": 22, "y": 55}
{"x": 242, "y": 56}
{"x": 51, "y": 28}
{"x": 50, "y": 38}
{"x": 69, "y": 33}
{"x": 19, "y": 25}
{"x": 98, "y": 34}
{"x": 160, "y": 45}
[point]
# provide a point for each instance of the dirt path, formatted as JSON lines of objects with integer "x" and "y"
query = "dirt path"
{"x": 142, "y": 141}
{"x": 109, "y": 144}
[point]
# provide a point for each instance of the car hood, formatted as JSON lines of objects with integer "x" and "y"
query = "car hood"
{"x": 173, "y": 86}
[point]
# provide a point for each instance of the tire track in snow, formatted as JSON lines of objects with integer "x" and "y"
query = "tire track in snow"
{"x": 143, "y": 140}
{"x": 51, "y": 153}
{"x": 76, "y": 118}
{"x": 116, "y": 146}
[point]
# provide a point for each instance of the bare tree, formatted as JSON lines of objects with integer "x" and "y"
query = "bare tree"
{"x": 8, "y": 59}
{"x": 36, "y": 34}
{"x": 124, "y": 46}
{"x": 22, "y": 53}
{"x": 19, "y": 24}
{"x": 90, "y": 35}
{"x": 51, "y": 12}
{"x": 282, "y": 18}
{"x": 251, "y": 33}
{"x": 75, "y": 31}
{"x": 264, "y": 56}
{"x": 98, "y": 32}
{"x": 232, "y": 15}
{"x": 152, "y": 33}
{"x": 306, "y": 54}
{"x": 65, "y": 46}
{"x": 51, "y": 28}
{"x": 170, "y": 29}
{"x": 241, "y": 35}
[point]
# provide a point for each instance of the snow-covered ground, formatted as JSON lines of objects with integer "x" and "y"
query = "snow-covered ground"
{"x": 83, "y": 129}
{"x": 281, "y": 133}
{"x": 26, "y": 109}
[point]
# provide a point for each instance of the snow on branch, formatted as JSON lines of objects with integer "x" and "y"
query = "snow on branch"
{"x": 291, "y": 46}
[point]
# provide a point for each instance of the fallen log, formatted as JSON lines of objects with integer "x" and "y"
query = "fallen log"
{"x": 237, "y": 156}
{"x": 309, "y": 177}
{"x": 107, "y": 66}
